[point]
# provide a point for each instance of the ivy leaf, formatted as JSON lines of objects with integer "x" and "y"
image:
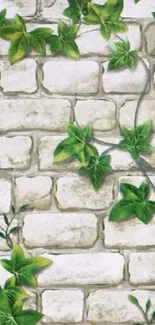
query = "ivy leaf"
{"x": 134, "y": 203}
{"x": 3, "y": 20}
{"x": 136, "y": 140}
{"x": 38, "y": 39}
{"x": 136, "y": 1}
{"x": 76, "y": 145}
{"x": 24, "y": 268}
{"x": 148, "y": 305}
{"x": 8, "y": 316}
{"x": 14, "y": 230}
{"x": 76, "y": 9}
{"x": 108, "y": 16}
{"x": 122, "y": 56}
{"x": 18, "y": 48}
{"x": 96, "y": 170}
{"x": 64, "y": 43}
{"x": 153, "y": 14}
{"x": 14, "y": 293}
{"x": 2, "y": 235}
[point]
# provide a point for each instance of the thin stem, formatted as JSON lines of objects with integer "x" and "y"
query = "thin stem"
{"x": 140, "y": 165}
{"x": 9, "y": 241}
{"x": 103, "y": 142}
{"x": 108, "y": 150}
{"x": 2, "y": 228}
{"x": 121, "y": 39}
{"x": 146, "y": 164}
{"x": 144, "y": 315}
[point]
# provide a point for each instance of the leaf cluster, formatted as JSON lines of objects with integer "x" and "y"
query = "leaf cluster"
{"x": 122, "y": 57}
{"x": 78, "y": 145}
{"x": 144, "y": 311}
{"x": 13, "y": 295}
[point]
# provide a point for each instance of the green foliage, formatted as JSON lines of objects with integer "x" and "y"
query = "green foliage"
{"x": 24, "y": 268}
{"x": 136, "y": 141}
{"x": 22, "y": 41}
{"x": 143, "y": 311}
{"x": 136, "y": 1}
{"x": 16, "y": 316}
{"x": 108, "y": 16}
{"x": 64, "y": 43}
{"x": 153, "y": 14}
{"x": 76, "y": 9}
{"x": 122, "y": 57}
{"x": 76, "y": 145}
{"x": 134, "y": 203}
{"x": 3, "y": 20}
{"x": 96, "y": 170}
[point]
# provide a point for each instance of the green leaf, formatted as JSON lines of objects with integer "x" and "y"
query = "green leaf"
{"x": 10, "y": 32}
{"x": 134, "y": 300}
{"x": 65, "y": 43}
{"x": 136, "y": 141}
{"x": 133, "y": 204}
{"x": 12, "y": 317}
{"x": 108, "y": 16}
{"x": 76, "y": 9}
{"x": 136, "y": 1}
{"x": 153, "y": 14}
{"x": 153, "y": 315}
{"x": 23, "y": 208}
{"x": 96, "y": 170}
{"x": 43, "y": 33}
{"x": 38, "y": 44}
{"x": 14, "y": 230}
{"x": 2, "y": 235}
{"x": 19, "y": 22}
{"x": 148, "y": 305}
{"x": 6, "y": 219}
{"x": 4, "y": 21}
{"x": 122, "y": 57}
{"x": 76, "y": 145}
{"x": 13, "y": 209}
{"x": 18, "y": 48}
{"x": 24, "y": 268}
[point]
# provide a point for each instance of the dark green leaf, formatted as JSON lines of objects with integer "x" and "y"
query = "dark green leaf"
{"x": 19, "y": 22}
{"x": 122, "y": 56}
{"x": 43, "y": 33}
{"x": 134, "y": 300}
{"x": 153, "y": 315}
{"x": 14, "y": 230}
{"x": 153, "y": 14}
{"x": 13, "y": 209}
{"x": 130, "y": 192}
{"x": 76, "y": 9}
{"x": 136, "y": 140}
{"x": 2, "y": 235}
{"x": 10, "y": 32}
{"x": 38, "y": 44}
{"x": 4, "y": 21}
{"x": 96, "y": 170}
{"x": 144, "y": 211}
{"x": 28, "y": 317}
{"x": 6, "y": 219}
{"x": 122, "y": 210}
{"x": 23, "y": 208}
{"x": 136, "y": 1}
{"x": 76, "y": 145}
{"x": 148, "y": 305}
{"x": 64, "y": 43}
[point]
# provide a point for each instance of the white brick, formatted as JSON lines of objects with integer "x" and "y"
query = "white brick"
{"x": 71, "y": 77}
{"x": 53, "y": 10}
{"x": 125, "y": 80}
{"x": 146, "y": 112}
{"x": 30, "y": 302}
{"x": 48, "y": 114}
{"x": 20, "y": 77}
{"x": 24, "y": 8}
{"x": 15, "y": 152}
{"x": 47, "y": 147}
{"x": 115, "y": 307}
{"x": 14, "y": 237}
{"x": 98, "y": 113}
{"x": 132, "y": 233}
{"x": 142, "y": 9}
{"x": 91, "y": 268}
{"x": 62, "y": 306}
{"x": 60, "y": 230}
{"x": 34, "y": 192}
{"x": 150, "y": 39}
{"x": 91, "y": 42}
{"x": 77, "y": 192}
{"x": 142, "y": 268}
{"x": 5, "y": 196}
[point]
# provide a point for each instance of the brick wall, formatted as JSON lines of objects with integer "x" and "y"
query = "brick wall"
{"x": 96, "y": 263}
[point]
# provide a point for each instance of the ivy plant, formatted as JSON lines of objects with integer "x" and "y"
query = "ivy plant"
{"x": 23, "y": 270}
{"x": 144, "y": 311}
{"x": 122, "y": 56}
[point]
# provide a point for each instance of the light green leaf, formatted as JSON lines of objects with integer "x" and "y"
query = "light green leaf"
{"x": 64, "y": 43}
{"x": 76, "y": 9}
{"x": 122, "y": 56}
{"x": 18, "y": 48}
{"x": 134, "y": 300}
{"x": 19, "y": 22}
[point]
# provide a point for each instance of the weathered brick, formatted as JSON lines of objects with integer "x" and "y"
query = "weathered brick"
{"x": 142, "y": 268}
{"x": 98, "y": 113}
{"x": 91, "y": 42}
{"x": 131, "y": 10}
{"x": 114, "y": 306}
{"x": 60, "y": 230}
{"x": 125, "y": 80}
{"x": 53, "y": 10}
{"x": 91, "y": 268}
{"x": 5, "y": 196}
{"x": 132, "y": 233}
{"x": 33, "y": 191}
{"x": 20, "y": 77}
{"x": 34, "y": 114}
{"x": 150, "y": 39}
{"x": 62, "y": 306}
{"x": 146, "y": 112}
{"x": 77, "y": 192}
{"x": 15, "y": 152}
{"x": 24, "y": 8}
{"x": 71, "y": 77}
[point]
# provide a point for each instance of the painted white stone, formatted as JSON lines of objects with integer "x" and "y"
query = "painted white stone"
{"x": 62, "y": 306}
{"x": 5, "y": 196}
{"x": 24, "y": 8}
{"x": 142, "y": 268}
